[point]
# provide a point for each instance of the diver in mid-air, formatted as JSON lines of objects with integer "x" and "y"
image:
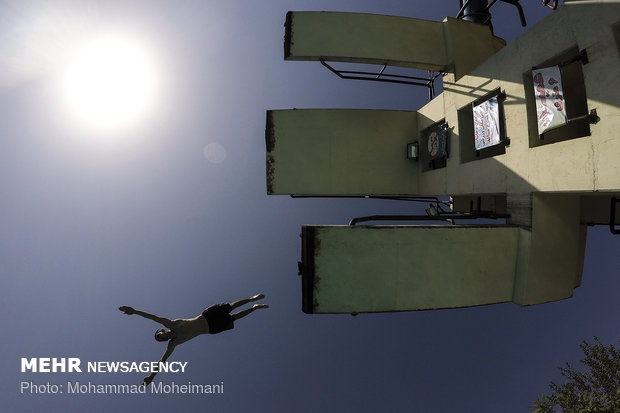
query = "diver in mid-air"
{"x": 213, "y": 320}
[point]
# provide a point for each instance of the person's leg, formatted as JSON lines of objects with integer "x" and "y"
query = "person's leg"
{"x": 239, "y": 303}
{"x": 243, "y": 313}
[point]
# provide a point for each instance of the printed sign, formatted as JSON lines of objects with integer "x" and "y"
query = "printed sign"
{"x": 437, "y": 142}
{"x": 550, "y": 105}
{"x": 486, "y": 124}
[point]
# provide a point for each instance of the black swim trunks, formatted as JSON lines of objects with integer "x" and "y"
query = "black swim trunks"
{"x": 219, "y": 318}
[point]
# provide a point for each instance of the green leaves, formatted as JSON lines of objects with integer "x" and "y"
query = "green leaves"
{"x": 596, "y": 389}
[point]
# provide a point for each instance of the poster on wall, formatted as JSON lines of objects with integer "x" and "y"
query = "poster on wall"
{"x": 550, "y": 104}
{"x": 486, "y": 124}
{"x": 437, "y": 145}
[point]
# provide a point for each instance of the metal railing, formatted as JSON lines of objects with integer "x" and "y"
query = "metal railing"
{"x": 381, "y": 76}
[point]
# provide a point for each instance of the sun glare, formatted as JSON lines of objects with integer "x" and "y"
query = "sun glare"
{"x": 110, "y": 83}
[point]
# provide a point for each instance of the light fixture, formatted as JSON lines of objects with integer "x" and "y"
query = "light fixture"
{"x": 413, "y": 151}
{"x": 432, "y": 211}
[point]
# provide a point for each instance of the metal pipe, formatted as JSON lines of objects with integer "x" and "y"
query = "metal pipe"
{"x": 441, "y": 217}
{"x": 475, "y": 11}
{"x": 462, "y": 9}
{"x": 381, "y": 72}
{"x": 386, "y": 197}
{"x": 519, "y": 8}
{"x": 415, "y": 80}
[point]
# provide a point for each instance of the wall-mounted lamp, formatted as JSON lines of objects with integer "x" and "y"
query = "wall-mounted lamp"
{"x": 413, "y": 151}
{"x": 434, "y": 211}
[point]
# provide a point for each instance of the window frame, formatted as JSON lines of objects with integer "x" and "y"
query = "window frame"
{"x": 467, "y": 133}
{"x": 578, "y": 115}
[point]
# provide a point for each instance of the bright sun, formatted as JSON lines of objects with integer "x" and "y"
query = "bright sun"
{"x": 111, "y": 83}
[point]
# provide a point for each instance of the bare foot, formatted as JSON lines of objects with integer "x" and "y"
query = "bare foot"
{"x": 258, "y": 297}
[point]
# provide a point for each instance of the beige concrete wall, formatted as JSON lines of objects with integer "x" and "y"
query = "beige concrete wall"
{"x": 451, "y": 45}
{"x": 556, "y": 253}
{"x": 365, "y": 38}
{"x": 362, "y": 271}
{"x": 583, "y": 164}
{"x": 382, "y": 268}
{"x": 339, "y": 151}
{"x": 398, "y": 268}
{"x": 468, "y": 45}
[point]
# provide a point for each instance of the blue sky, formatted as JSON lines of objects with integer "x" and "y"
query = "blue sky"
{"x": 171, "y": 215}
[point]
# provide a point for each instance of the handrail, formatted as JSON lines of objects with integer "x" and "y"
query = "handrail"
{"x": 441, "y": 217}
{"x": 386, "y": 77}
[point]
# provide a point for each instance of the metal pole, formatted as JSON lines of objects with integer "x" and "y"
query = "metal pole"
{"x": 476, "y": 11}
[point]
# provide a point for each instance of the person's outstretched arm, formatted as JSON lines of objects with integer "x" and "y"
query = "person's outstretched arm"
{"x": 148, "y": 379}
{"x": 161, "y": 320}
